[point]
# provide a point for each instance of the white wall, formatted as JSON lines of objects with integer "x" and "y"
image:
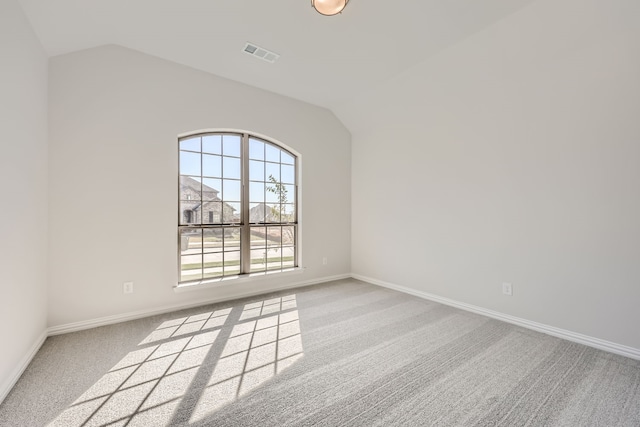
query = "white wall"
{"x": 23, "y": 186}
{"x": 513, "y": 156}
{"x": 115, "y": 115}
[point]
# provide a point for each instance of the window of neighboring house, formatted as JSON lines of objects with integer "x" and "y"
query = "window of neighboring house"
{"x": 247, "y": 187}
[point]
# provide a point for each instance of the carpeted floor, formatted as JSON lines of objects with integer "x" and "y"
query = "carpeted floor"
{"x": 341, "y": 353}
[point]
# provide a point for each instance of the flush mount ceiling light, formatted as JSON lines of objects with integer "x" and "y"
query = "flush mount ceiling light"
{"x": 329, "y": 7}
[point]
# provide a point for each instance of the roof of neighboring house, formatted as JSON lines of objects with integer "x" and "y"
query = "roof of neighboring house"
{"x": 261, "y": 213}
{"x": 187, "y": 181}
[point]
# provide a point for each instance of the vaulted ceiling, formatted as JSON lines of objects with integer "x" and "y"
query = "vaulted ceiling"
{"x": 325, "y": 61}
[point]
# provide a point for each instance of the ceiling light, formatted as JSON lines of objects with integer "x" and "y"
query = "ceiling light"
{"x": 329, "y": 7}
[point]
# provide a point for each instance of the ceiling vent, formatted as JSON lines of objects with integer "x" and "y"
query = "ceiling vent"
{"x": 260, "y": 52}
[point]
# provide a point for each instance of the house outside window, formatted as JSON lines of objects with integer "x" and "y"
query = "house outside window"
{"x": 238, "y": 206}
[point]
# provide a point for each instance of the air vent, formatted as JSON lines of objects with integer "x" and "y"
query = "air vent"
{"x": 260, "y": 52}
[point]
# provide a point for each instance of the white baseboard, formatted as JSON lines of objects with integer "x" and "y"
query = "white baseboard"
{"x": 124, "y": 317}
{"x": 15, "y": 375}
{"x": 611, "y": 347}
{"x": 109, "y": 320}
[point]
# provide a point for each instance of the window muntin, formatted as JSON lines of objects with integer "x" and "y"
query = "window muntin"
{"x": 238, "y": 207}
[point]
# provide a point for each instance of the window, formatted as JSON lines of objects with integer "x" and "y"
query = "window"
{"x": 238, "y": 208}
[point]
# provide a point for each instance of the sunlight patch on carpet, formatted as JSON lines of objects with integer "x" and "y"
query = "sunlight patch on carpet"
{"x": 148, "y": 385}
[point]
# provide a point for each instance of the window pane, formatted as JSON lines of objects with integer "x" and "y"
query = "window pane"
{"x": 256, "y": 213}
{"x": 272, "y": 172}
{"x": 189, "y": 163}
{"x": 231, "y": 167}
{"x": 231, "y": 239}
{"x": 272, "y": 154}
{"x": 256, "y": 149}
{"x": 288, "y": 257}
{"x": 272, "y": 193}
{"x": 211, "y": 212}
{"x": 256, "y": 170}
{"x": 230, "y": 212}
{"x": 190, "y": 267}
{"x": 212, "y": 240}
{"x": 256, "y": 192}
{"x": 287, "y": 158}
{"x": 191, "y": 144}
{"x": 273, "y": 213}
{"x": 211, "y": 165}
{"x": 212, "y": 144}
{"x": 231, "y": 145}
{"x": 231, "y": 263}
{"x": 190, "y": 241}
{"x": 231, "y": 190}
{"x": 213, "y": 264}
{"x": 189, "y": 188}
{"x": 258, "y": 237}
{"x": 190, "y": 212}
{"x": 288, "y": 235}
{"x": 232, "y": 270}
{"x": 274, "y": 259}
{"x": 288, "y": 193}
{"x": 288, "y": 252}
{"x": 288, "y": 213}
{"x": 274, "y": 236}
{"x": 211, "y": 188}
{"x": 288, "y": 174}
{"x": 258, "y": 259}
{"x": 276, "y": 193}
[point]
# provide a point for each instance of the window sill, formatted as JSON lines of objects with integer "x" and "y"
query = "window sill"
{"x": 232, "y": 280}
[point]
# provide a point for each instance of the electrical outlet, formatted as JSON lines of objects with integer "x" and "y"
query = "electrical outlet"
{"x": 507, "y": 289}
{"x": 127, "y": 287}
{"x": 324, "y": 261}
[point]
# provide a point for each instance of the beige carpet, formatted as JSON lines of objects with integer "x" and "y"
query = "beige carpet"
{"x": 342, "y": 353}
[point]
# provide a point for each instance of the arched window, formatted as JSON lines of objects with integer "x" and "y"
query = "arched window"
{"x": 238, "y": 206}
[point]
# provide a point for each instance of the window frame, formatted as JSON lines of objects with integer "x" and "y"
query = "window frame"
{"x": 244, "y": 224}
